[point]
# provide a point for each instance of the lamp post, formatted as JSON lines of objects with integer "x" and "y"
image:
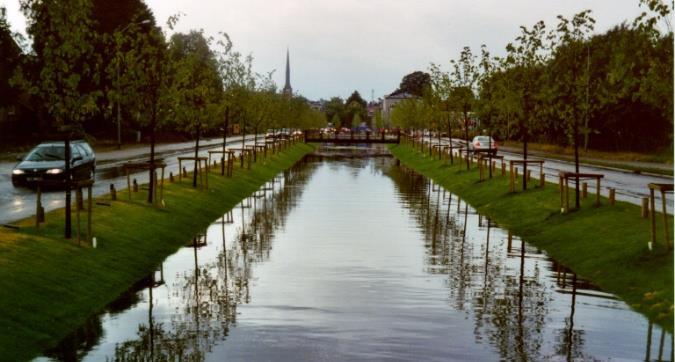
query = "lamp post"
{"x": 118, "y": 40}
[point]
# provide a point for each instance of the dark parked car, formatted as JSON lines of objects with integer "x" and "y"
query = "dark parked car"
{"x": 46, "y": 162}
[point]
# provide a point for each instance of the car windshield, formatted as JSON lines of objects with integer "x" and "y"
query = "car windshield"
{"x": 482, "y": 139}
{"x": 47, "y": 153}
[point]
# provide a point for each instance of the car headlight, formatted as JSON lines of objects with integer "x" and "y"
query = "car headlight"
{"x": 17, "y": 172}
{"x": 54, "y": 171}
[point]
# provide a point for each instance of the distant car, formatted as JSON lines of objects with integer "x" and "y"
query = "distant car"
{"x": 484, "y": 144}
{"x": 46, "y": 163}
{"x": 270, "y": 134}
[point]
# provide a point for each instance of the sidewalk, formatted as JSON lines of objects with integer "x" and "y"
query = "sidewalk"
{"x": 143, "y": 151}
{"x": 634, "y": 166}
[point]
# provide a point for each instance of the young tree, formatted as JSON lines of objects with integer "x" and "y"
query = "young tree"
{"x": 571, "y": 83}
{"x": 196, "y": 86}
{"x": 441, "y": 87}
{"x": 63, "y": 42}
{"x": 526, "y": 59}
{"x": 464, "y": 78}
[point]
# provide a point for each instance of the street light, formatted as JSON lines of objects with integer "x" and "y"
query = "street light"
{"x": 118, "y": 60}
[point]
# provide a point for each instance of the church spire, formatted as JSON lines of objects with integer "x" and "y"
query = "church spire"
{"x": 288, "y": 90}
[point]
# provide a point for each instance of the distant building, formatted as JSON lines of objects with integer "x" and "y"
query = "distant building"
{"x": 317, "y": 105}
{"x": 288, "y": 90}
{"x": 389, "y": 102}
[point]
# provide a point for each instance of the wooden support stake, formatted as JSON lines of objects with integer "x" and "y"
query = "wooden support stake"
{"x": 503, "y": 168}
{"x": 171, "y": 177}
{"x": 529, "y": 175}
{"x": 644, "y": 211}
{"x": 665, "y": 219}
{"x": 38, "y": 206}
{"x": 542, "y": 177}
{"x": 597, "y": 192}
{"x": 612, "y": 196}
{"x": 128, "y": 184}
{"x": 113, "y": 192}
{"x": 584, "y": 190}
{"x": 652, "y": 208}
{"x": 80, "y": 199}
{"x": 135, "y": 186}
{"x": 89, "y": 207}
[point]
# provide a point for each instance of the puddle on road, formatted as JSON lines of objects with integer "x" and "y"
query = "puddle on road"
{"x": 348, "y": 258}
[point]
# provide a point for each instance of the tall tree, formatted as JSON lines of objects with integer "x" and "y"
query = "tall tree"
{"x": 415, "y": 83}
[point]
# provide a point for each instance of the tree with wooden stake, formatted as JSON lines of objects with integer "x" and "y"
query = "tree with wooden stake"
{"x": 464, "y": 79}
{"x": 441, "y": 86}
{"x": 571, "y": 52}
{"x": 236, "y": 76}
{"x": 525, "y": 58}
{"x": 63, "y": 41}
{"x": 196, "y": 87}
{"x": 146, "y": 77}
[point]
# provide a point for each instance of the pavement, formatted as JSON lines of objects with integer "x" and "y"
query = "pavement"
{"x": 17, "y": 203}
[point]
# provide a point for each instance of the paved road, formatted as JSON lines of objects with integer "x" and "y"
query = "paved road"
{"x": 629, "y": 186}
{"x": 18, "y": 202}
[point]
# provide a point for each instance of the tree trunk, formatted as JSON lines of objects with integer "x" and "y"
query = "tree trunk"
{"x": 153, "y": 120}
{"x": 466, "y": 136}
{"x": 452, "y": 158}
{"x": 68, "y": 231}
{"x": 196, "y": 167}
{"x": 227, "y": 123}
{"x": 243, "y": 144}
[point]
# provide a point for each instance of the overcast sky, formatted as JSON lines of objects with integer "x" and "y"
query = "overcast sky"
{"x": 337, "y": 47}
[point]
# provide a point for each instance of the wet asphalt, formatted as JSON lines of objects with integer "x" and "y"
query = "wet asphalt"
{"x": 17, "y": 203}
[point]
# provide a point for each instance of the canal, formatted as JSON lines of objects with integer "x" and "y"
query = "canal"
{"x": 345, "y": 257}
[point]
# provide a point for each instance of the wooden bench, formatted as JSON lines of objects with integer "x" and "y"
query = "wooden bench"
{"x": 564, "y": 180}
{"x": 200, "y": 170}
{"x": 512, "y": 175}
{"x": 663, "y": 189}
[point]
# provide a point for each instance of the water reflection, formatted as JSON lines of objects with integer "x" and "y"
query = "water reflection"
{"x": 377, "y": 262}
{"x": 505, "y": 285}
{"x": 206, "y": 295}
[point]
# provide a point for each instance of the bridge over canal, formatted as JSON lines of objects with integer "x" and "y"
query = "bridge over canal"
{"x": 352, "y": 137}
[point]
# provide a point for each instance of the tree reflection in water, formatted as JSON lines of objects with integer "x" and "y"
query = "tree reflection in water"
{"x": 211, "y": 293}
{"x": 207, "y": 296}
{"x": 500, "y": 286}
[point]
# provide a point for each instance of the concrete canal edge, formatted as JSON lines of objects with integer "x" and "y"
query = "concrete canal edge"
{"x": 50, "y": 286}
{"x": 606, "y": 245}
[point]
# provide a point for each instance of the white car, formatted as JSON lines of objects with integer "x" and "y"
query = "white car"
{"x": 484, "y": 144}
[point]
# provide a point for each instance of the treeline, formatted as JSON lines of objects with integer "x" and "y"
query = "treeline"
{"x": 107, "y": 67}
{"x": 565, "y": 86}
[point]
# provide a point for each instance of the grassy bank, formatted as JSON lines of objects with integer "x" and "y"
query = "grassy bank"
{"x": 51, "y": 285}
{"x": 607, "y": 245}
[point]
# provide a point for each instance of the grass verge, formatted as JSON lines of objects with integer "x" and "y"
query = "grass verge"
{"x": 51, "y": 285}
{"x": 607, "y": 245}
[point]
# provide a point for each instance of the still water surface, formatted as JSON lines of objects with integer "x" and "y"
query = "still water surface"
{"x": 345, "y": 258}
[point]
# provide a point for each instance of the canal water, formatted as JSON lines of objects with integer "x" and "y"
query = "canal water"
{"x": 346, "y": 257}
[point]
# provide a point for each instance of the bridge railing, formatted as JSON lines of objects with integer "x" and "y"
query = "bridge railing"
{"x": 315, "y": 135}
